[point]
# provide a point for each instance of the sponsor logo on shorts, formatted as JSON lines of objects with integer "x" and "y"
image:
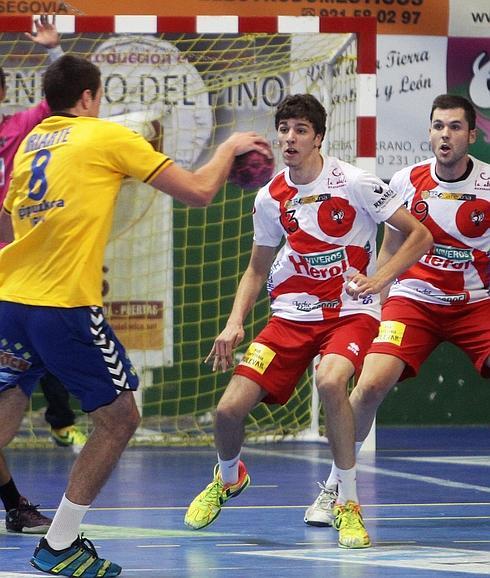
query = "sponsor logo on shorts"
{"x": 354, "y": 348}
{"x": 14, "y": 362}
{"x": 258, "y": 356}
{"x": 391, "y": 332}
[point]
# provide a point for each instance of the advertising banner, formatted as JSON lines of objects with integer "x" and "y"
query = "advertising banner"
{"x": 410, "y": 75}
{"x": 422, "y": 17}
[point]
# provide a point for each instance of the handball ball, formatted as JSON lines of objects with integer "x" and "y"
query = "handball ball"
{"x": 251, "y": 170}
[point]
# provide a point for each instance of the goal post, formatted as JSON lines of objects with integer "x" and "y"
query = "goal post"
{"x": 171, "y": 272}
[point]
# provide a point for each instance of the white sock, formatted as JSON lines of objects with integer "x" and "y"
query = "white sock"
{"x": 229, "y": 469}
{"x": 66, "y": 524}
{"x": 333, "y": 479}
{"x": 347, "y": 485}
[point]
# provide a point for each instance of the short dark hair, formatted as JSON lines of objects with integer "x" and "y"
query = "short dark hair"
{"x": 66, "y": 79}
{"x": 303, "y": 106}
{"x": 2, "y": 78}
{"x": 447, "y": 101}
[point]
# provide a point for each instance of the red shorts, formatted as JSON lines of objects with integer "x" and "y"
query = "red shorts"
{"x": 284, "y": 349}
{"x": 411, "y": 330}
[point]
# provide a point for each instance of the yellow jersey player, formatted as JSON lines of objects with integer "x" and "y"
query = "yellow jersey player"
{"x": 59, "y": 208}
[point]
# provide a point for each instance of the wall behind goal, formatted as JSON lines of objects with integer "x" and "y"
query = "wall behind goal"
{"x": 425, "y": 47}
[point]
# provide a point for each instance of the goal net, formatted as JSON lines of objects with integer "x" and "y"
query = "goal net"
{"x": 171, "y": 272}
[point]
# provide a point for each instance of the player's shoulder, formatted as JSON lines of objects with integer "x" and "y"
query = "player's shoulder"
{"x": 107, "y": 131}
{"x": 420, "y": 167}
{"x": 479, "y": 164}
{"x": 333, "y": 164}
{"x": 277, "y": 183}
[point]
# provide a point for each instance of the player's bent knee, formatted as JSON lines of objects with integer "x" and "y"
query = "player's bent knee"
{"x": 332, "y": 389}
{"x": 372, "y": 392}
{"x": 230, "y": 414}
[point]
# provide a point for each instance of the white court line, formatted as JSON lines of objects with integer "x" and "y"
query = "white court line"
{"x": 374, "y": 470}
{"x": 457, "y": 460}
{"x": 438, "y": 560}
{"x": 18, "y": 575}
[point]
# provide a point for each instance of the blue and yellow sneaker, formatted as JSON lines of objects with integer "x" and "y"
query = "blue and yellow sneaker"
{"x": 206, "y": 506}
{"x": 348, "y": 521}
{"x": 80, "y": 559}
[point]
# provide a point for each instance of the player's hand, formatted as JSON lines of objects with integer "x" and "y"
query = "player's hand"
{"x": 243, "y": 142}
{"x": 361, "y": 286}
{"x": 221, "y": 354}
{"x": 46, "y": 32}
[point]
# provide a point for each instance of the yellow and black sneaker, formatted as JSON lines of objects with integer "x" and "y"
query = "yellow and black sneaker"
{"x": 206, "y": 506}
{"x": 69, "y": 436}
{"x": 348, "y": 521}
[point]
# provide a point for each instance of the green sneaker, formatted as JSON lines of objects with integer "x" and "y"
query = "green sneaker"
{"x": 348, "y": 521}
{"x": 69, "y": 436}
{"x": 206, "y": 507}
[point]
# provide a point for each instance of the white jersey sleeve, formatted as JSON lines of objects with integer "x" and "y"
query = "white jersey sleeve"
{"x": 268, "y": 231}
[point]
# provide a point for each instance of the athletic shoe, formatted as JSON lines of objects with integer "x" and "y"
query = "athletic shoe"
{"x": 206, "y": 507}
{"x": 26, "y": 519}
{"x": 80, "y": 559}
{"x": 348, "y": 521}
{"x": 68, "y": 436}
{"x": 320, "y": 513}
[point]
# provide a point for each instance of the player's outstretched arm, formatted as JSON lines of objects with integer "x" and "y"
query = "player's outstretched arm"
{"x": 46, "y": 33}
{"x": 198, "y": 188}
{"x": 417, "y": 241}
{"x": 251, "y": 283}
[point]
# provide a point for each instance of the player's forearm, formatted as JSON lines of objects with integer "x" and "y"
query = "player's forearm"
{"x": 214, "y": 173}
{"x": 247, "y": 294}
{"x": 416, "y": 244}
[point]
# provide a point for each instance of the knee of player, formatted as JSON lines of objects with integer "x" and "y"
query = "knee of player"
{"x": 331, "y": 388}
{"x": 371, "y": 390}
{"x": 229, "y": 413}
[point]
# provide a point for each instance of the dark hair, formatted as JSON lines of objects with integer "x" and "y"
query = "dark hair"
{"x": 447, "y": 101}
{"x": 67, "y": 78}
{"x": 303, "y": 106}
{"x": 2, "y": 78}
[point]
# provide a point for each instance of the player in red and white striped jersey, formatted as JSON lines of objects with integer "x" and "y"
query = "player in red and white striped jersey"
{"x": 323, "y": 285}
{"x": 445, "y": 295}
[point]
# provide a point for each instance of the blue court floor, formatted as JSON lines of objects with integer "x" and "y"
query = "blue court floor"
{"x": 425, "y": 496}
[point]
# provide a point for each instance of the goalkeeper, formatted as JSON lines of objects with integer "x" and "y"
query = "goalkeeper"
{"x": 59, "y": 208}
{"x": 323, "y": 286}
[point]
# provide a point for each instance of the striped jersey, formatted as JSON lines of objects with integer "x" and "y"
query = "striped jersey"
{"x": 457, "y": 268}
{"x": 66, "y": 177}
{"x": 329, "y": 229}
